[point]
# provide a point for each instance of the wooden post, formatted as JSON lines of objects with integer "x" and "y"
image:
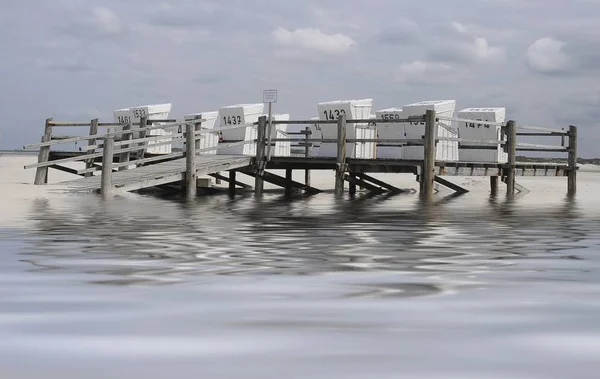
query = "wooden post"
{"x": 143, "y": 124}
{"x": 107, "y": 161}
{"x": 93, "y": 131}
{"x": 288, "y": 182}
{"x": 494, "y": 185}
{"x": 41, "y": 173}
{"x": 197, "y": 128}
{"x": 572, "y": 174}
{"x": 260, "y": 155}
{"x": 428, "y": 174}
{"x": 190, "y": 161}
{"x": 352, "y": 186}
{"x": 341, "y": 155}
{"x": 511, "y": 149}
{"x": 125, "y": 157}
{"x": 231, "y": 182}
{"x": 307, "y": 154}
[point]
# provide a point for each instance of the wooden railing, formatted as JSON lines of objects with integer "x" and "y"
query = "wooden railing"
{"x": 508, "y": 141}
{"x": 123, "y": 143}
{"x": 107, "y": 147}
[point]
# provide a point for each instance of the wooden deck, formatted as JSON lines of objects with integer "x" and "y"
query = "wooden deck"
{"x": 415, "y": 166}
{"x": 160, "y": 173}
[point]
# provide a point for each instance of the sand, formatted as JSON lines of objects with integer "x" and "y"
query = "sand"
{"x": 17, "y": 191}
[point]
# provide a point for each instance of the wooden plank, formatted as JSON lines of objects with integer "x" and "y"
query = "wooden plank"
{"x": 452, "y": 186}
{"x": 281, "y": 181}
{"x": 541, "y": 129}
{"x": 378, "y": 182}
{"x": 227, "y": 180}
{"x": 361, "y": 183}
{"x": 139, "y": 162}
{"x": 85, "y": 138}
{"x": 518, "y": 187}
{"x": 161, "y": 173}
{"x": 65, "y": 169}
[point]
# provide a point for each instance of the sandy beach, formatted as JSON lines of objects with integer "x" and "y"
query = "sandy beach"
{"x": 18, "y": 190}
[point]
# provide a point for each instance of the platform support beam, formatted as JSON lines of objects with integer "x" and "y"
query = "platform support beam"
{"x": 260, "y": 155}
{"x": 511, "y": 149}
{"x": 428, "y": 175}
{"x": 494, "y": 185}
{"x": 190, "y": 161}
{"x": 352, "y": 184}
{"x": 448, "y": 184}
{"x": 288, "y": 182}
{"x": 307, "y": 154}
{"x": 378, "y": 182}
{"x": 232, "y": 183}
{"x": 572, "y": 174}
{"x": 340, "y": 169}
{"x": 107, "y": 161}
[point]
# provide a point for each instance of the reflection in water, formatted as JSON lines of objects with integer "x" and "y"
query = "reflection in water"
{"x": 150, "y": 240}
{"x": 372, "y": 287}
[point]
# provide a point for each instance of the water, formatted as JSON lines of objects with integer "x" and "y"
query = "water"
{"x": 372, "y": 287}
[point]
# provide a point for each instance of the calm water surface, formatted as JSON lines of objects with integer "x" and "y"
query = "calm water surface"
{"x": 373, "y": 287}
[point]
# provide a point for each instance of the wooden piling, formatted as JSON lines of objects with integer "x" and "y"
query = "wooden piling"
{"x": 352, "y": 185}
{"x": 428, "y": 174}
{"x": 307, "y": 154}
{"x": 341, "y": 156}
{"x": 41, "y": 173}
{"x": 232, "y": 182}
{"x": 260, "y": 155}
{"x": 494, "y": 185}
{"x": 190, "y": 161}
{"x": 288, "y": 182}
{"x": 511, "y": 149}
{"x": 572, "y": 174}
{"x": 93, "y": 131}
{"x": 107, "y": 161}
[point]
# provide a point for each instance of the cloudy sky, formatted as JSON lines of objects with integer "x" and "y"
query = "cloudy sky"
{"x": 76, "y": 59}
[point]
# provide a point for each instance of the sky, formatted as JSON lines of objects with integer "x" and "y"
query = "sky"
{"x": 75, "y": 60}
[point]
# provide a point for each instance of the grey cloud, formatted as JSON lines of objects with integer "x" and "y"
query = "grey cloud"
{"x": 74, "y": 66}
{"x": 201, "y": 55}
{"x": 400, "y": 33}
{"x": 94, "y": 23}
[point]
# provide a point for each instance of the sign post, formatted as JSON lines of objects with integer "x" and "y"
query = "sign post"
{"x": 269, "y": 97}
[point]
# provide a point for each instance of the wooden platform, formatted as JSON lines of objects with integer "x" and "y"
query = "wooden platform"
{"x": 160, "y": 173}
{"x": 414, "y": 166}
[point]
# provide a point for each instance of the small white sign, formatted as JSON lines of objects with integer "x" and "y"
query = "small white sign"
{"x": 270, "y": 96}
